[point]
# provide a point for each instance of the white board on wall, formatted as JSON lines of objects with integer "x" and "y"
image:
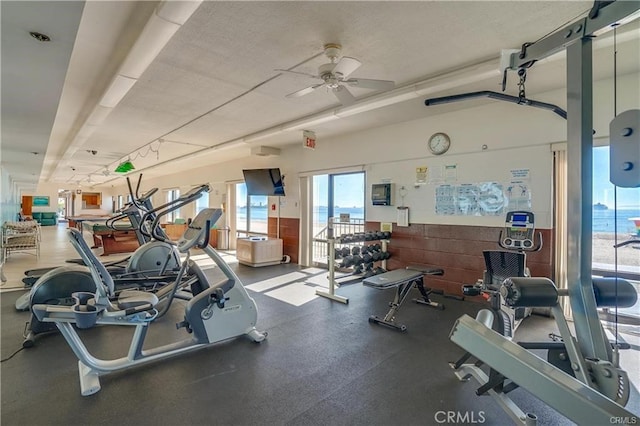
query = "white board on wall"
{"x": 534, "y": 166}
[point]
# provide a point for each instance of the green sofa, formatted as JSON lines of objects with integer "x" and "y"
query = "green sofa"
{"x": 45, "y": 218}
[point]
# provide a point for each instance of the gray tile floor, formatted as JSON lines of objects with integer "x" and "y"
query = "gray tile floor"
{"x": 322, "y": 363}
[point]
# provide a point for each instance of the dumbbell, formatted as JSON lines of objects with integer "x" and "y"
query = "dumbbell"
{"x": 345, "y": 251}
{"x": 357, "y": 259}
{"x": 386, "y": 235}
{"x": 369, "y": 272}
{"x": 360, "y": 236}
{"x": 368, "y": 258}
{"x": 347, "y": 262}
{"x": 355, "y": 250}
{"x": 385, "y": 255}
{"x": 379, "y": 270}
{"x": 376, "y": 247}
{"x": 337, "y": 253}
{"x": 376, "y": 256}
{"x": 368, "y": 236}
{"x": 359, "y": 269}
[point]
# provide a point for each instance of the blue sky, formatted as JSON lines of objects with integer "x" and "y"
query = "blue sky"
{"x": 348, "y": 191}
{"x": 603, "y": 189}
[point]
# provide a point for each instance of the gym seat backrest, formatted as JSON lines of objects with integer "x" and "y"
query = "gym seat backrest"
{"x": 98, "y": 271}
{"x": 501, "y": 265}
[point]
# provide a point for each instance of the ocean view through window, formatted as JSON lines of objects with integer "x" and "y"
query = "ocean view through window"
{"x": 616, "y": 218}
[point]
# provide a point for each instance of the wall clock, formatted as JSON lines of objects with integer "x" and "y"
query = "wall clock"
{"x": 439, "y": 143}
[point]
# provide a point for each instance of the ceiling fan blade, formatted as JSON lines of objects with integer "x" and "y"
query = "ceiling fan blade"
{"x": 304, "y": 91}
{"x": 367, "y": 83}
{"x": 346, "y": 66}
{"x": 344, "y": 96}
{"x": 297, "y": 72}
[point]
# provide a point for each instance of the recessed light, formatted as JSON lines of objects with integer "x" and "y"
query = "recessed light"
{"x": 39, "y": 36}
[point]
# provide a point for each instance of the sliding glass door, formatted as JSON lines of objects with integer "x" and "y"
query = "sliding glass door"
{"x": 334, "y": 194}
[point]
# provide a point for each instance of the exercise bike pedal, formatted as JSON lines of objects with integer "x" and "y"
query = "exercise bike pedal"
{"x": 218, "y": 298}
{"x": 184, "y": 324}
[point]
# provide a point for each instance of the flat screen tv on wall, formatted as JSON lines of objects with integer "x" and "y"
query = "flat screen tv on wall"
{"x": 264, "y": 182}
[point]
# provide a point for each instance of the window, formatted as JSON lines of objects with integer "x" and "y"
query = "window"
{"x": 613, "y": 214}
{"x": 251, "y": 212}
{"x": 616, "y": 216}
{"x": 172, "y": 195}
{"x": 202, "y": 202}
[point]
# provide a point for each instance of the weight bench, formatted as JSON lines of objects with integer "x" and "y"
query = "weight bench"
{"x": 403, "y": 280}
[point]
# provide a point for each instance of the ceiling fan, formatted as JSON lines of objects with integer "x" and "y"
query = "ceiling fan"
{"x": 335, "y": 77}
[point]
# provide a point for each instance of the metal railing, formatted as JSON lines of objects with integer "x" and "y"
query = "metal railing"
{"x": 319, "y": 244}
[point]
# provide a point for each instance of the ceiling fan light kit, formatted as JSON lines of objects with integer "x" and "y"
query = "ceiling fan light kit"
{"x": 335, "y": 76}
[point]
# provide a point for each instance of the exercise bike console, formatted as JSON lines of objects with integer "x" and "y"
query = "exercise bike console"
{"x": 194, "y": 235}
{"x": 519, "y": 232}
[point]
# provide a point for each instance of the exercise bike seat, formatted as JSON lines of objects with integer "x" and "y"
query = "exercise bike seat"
{"x": 133, "y": 299}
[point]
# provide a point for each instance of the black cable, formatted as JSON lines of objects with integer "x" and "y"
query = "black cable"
{"x": 615, "y": 187}
{"x": 12, "y": 355}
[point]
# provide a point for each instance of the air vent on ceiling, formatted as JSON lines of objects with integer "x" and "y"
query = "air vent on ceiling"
{"x": 264, "y": 151}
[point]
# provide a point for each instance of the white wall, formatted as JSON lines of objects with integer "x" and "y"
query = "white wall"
{"x": 46, "y": 189}
{"x": 51, "y": 190}
{"x": 516, "y": 137}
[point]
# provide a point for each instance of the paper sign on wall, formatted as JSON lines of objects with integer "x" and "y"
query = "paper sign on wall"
{"x": 520, "y": 174}
{"x": 386, "y": 226}
{"x": 421, "y": 174}
{"x": 451, "y": 173}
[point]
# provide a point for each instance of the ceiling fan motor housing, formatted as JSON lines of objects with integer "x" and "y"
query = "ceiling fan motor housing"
{"x": 332, "y": 50}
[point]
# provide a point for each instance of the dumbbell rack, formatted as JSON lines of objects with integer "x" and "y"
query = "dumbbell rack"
{"x": 334, "y": 240}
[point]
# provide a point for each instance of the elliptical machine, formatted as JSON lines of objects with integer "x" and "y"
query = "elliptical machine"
{"x": 222, "y": 311}
{"x": 141, "y": 260}
{"x": 151, "y": 266}
{"x": 57, "y": 286}
{"x": 516, "y": 238}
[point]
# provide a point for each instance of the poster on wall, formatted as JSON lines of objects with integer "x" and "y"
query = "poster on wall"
{"x": 466, "y": 199}
{"x": 477, "y": 199}
{"x": 519, "y": 195}
{"x": 491, "y": 199}
{"x": 40, "y": 201}
{"x": 445, "y": 204}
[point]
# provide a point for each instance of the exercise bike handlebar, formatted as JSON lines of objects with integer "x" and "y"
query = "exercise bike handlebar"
{"x": 206, "y": 229}
{"x": 166, "y": 208}
{"x": 111, "y": 223}
{"x": 134, "y": 196}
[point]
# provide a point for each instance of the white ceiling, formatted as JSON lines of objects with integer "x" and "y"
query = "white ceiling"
{"x": 214, "y": 82}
